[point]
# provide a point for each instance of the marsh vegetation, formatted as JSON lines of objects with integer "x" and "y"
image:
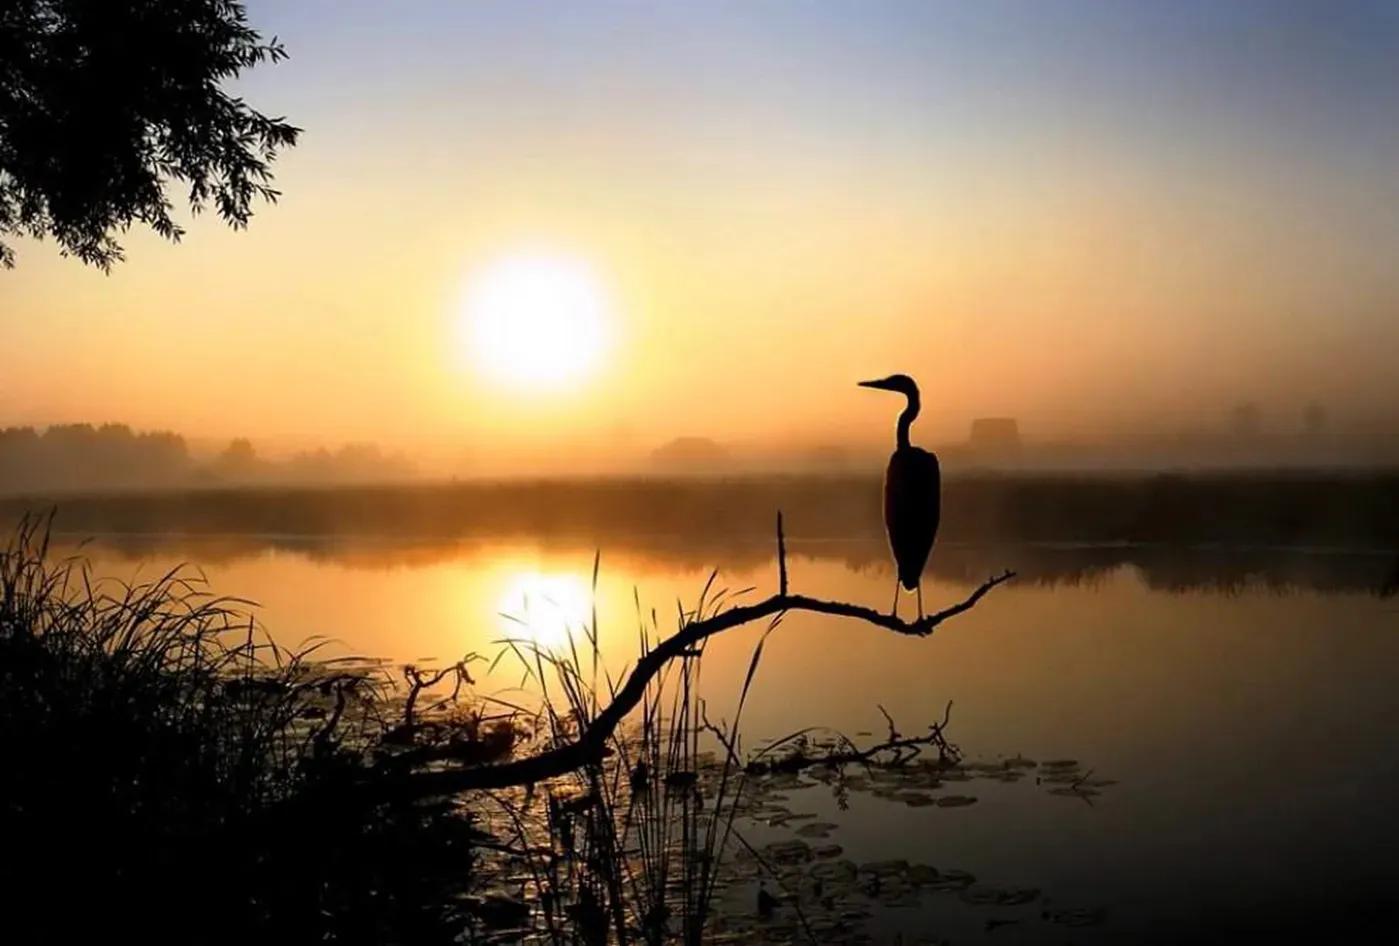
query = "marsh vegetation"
{"x": 212, "y": 786}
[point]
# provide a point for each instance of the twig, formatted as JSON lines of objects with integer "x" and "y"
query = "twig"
{"x": 781, "y": 557}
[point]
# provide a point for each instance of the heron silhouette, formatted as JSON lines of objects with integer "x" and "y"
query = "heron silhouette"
{"x": 912, "y": 495}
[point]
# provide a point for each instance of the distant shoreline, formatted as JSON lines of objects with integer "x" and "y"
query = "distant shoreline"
{"x": 1336, "y": 509}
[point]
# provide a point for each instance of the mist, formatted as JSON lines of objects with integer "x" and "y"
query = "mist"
{"x": 64, "y": 458}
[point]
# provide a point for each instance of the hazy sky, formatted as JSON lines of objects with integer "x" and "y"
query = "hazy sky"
{"x": 1085, "y": 215}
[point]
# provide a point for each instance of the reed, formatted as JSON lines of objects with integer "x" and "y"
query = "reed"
{"x": 628, "y": 848}
{"x": 161, "y": 750}
{"x": 191, "y": 780}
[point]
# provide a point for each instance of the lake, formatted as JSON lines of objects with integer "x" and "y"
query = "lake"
{"x": 1242, "y": 701}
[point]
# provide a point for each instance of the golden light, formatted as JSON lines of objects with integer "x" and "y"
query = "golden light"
{"x": 534, "y": 321}
{"x": 547, "y": 607}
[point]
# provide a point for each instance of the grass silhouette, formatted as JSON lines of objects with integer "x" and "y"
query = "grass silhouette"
{"x": 162, "y": 755}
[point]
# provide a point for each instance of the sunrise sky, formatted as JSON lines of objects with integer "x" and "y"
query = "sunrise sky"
{"x": 1085, "y": 215}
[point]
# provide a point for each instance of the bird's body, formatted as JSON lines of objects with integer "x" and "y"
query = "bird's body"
{"x": 912, "y": 495}
{"x": 912, "y": 507}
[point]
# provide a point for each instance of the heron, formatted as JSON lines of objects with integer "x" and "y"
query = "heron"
{"x": 912, "y": 495}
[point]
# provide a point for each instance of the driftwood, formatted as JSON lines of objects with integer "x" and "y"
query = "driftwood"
{"x": 591, "y": 743}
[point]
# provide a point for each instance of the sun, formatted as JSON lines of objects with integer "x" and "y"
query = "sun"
{"x": 535, "y": 321}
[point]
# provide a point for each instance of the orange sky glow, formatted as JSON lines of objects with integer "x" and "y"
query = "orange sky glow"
{"x": 772, "y": 207}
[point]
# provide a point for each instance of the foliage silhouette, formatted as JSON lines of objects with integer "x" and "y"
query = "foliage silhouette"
{"x": 105, "y": 103}
{"x": 66, "y": 457}
{"x": 148, "y": 729}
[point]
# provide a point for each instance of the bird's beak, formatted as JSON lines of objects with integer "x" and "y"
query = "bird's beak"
{"x": 874, "y": 384}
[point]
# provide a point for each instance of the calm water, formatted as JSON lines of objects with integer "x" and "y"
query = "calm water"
{"x": 1246, "y": 702}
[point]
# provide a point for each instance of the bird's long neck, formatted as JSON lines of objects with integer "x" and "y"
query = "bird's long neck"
{"x": 906, "y": 420}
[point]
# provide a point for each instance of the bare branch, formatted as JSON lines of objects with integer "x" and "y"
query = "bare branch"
{"x": 893, "y": 752}
{"x": 591, "y": 744}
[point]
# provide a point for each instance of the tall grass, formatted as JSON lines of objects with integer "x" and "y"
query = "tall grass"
{"x": 184, "y": 778}
{"x": 628, "y": 849}
{"x": 171, "y": 773}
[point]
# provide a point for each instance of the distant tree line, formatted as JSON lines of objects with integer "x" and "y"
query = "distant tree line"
{"x": 73, "y": 456}
{"x": 352, "y": 463}
{"x": 68, "y": 457}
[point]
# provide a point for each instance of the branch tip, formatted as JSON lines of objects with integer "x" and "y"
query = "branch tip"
{"x": 781, "y": 557}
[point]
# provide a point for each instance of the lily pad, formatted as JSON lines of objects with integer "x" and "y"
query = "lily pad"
{"x": 817, "y": 829}
{"x": 885, "y": 868}
{"x": 916, "y": 799}
{"x": 788, "y": 852}
{"x": 953, "y": 880}
{"x": 956, "y": 801}
{"x": 923, "y": 874}
{"x": 834, "y": 871}
{"x": 1075, "y": 917}
{"x": 1000, "y": 897}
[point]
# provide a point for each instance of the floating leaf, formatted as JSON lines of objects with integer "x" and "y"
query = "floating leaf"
{"x": 1075, "y": 917}
{"x": 817, "y": 829}
{"x": 788, "y": 852}
{"x": 956, "y": 801}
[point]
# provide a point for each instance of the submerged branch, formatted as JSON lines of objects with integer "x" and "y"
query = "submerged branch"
{"x": 893, "y": 752}
{"x": 591, "y": 743}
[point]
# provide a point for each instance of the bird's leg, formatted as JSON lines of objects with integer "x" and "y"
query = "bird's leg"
{"x": 920, "y": 601}
{"x": 894, "y": 608}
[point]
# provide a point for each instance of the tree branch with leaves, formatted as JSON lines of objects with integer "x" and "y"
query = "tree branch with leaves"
{"x": 108, "y": 105}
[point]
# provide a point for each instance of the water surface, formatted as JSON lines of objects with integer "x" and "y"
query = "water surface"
{"x": 1244, "y": 700}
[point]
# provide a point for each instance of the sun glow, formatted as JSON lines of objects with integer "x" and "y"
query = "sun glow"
{"x": 535, "y": 321}
{"x": 547, "y": 607}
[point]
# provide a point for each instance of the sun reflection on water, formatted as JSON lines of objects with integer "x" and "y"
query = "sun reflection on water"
{"x": 546, "y": 607}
